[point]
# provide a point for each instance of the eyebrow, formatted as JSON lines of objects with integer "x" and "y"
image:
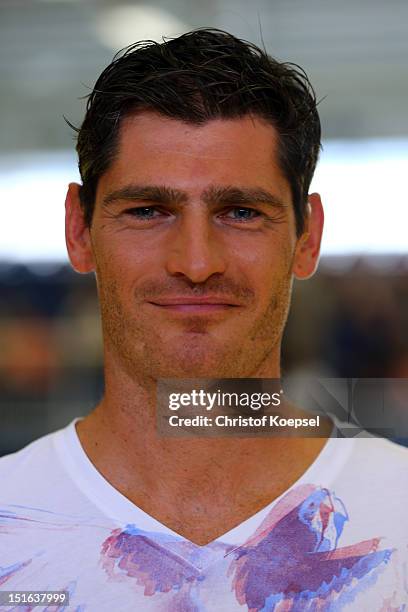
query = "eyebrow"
{"x": 221, "y": 195}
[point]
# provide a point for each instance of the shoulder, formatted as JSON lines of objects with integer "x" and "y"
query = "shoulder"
{"x": 34, "y": 451}
{"x": 369, "y": 451}
{"x": 32, "y": 468}
{"x": 375, "y": 473}
{"x": 378, "y": 451}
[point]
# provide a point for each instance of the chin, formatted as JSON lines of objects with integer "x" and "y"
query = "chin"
{"x": 193, "y": 361}
{"x": 192, "y": 366}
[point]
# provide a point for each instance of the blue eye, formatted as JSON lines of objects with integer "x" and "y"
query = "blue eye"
{"x": 144, "y": 212}
{"x": 244, "y": 214}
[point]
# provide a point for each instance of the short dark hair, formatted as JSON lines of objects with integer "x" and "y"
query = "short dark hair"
{"x": 198, "y": 76}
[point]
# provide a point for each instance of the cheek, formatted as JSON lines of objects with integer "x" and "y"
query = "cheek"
{"x": 121, "y": 261}
{"x": 121, "y": 249}
{"x": 265, "y": 263}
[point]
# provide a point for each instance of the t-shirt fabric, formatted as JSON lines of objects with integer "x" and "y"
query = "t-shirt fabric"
{"x": 335, "y": 541}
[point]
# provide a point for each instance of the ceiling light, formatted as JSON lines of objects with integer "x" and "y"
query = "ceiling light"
{"x": 120, "y": 26}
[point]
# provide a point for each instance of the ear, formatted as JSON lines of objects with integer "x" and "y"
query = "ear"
{"x": 308, "y": 244}
{"x": 77, "y": 234}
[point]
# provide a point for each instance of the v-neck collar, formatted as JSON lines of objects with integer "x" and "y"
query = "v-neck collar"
{"x": 122, "y": 511}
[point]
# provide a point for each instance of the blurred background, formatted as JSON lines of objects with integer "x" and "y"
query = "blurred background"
{"x": 350, "y": 320}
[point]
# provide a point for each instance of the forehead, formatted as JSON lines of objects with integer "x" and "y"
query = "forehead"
{"x": 240, "y": 152}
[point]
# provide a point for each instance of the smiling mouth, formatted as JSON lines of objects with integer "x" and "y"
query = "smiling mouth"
{"x": 188, "y": 305}
{"x": 195, "y": 308}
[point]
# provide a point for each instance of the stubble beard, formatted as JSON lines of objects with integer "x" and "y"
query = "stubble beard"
{"x": 143, "y": 354}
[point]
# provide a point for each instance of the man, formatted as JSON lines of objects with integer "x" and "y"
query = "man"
{"x": 196, "y": 157}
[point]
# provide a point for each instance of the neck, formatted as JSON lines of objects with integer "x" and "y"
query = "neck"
{"x": 186, "y": 475}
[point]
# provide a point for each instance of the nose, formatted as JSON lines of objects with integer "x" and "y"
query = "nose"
{"x": 195, "y": 251}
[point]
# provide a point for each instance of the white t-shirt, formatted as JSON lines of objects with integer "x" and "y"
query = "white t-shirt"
{"x": 336, "y": 540}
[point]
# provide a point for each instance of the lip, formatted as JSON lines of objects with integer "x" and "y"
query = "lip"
{"x": 192, "y": 300}
{"x": 195, "y": 305}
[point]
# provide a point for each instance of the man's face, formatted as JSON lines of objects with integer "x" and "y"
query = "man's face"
{"x": 193, "y": 242}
